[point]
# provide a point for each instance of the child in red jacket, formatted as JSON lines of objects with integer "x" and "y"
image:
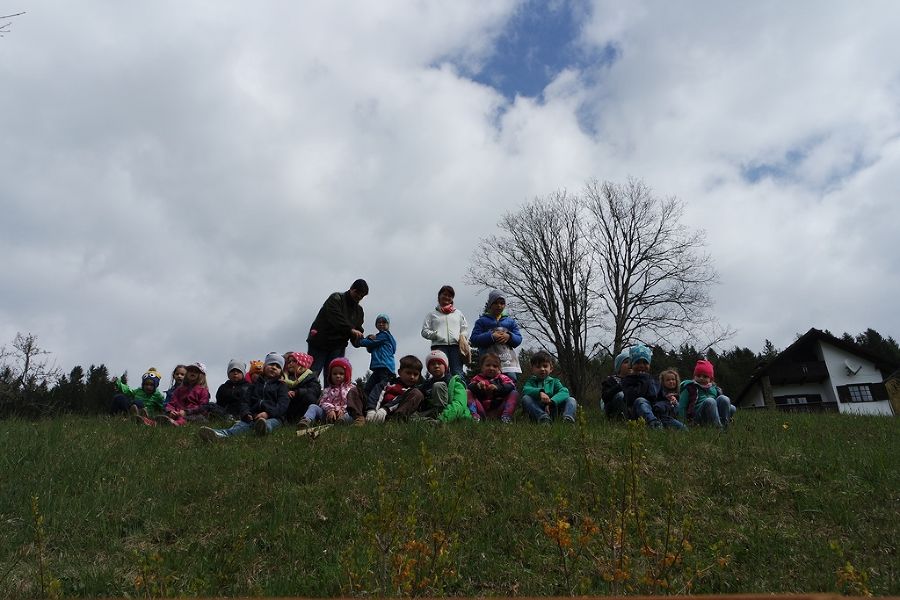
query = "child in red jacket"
{"x": 491, "y": 393}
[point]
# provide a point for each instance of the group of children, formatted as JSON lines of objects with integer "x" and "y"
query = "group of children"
{"x": 663, "y": 402}
{"x": 280, "y": 388}
{"x": 283, "y": 388}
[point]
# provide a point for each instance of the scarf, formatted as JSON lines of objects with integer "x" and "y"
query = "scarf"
{"x": 446, "y": 309}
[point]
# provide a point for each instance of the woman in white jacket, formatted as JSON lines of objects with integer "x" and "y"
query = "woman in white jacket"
{"x": 448, "y": 331}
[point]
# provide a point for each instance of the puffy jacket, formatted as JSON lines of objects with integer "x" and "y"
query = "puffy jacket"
{"x": 444, "y": 329}
{"x": 266, "y": 395}
{"x": 382, "y": 349}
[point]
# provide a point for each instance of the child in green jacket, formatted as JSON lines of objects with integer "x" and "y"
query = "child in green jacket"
{"x": 144, "y": 401}
{"x": 545, "y": 398}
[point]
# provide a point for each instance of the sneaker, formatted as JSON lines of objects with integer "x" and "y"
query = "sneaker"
{"x": 144, "y": 413}
{"x": 569, "y": 419}
{"x": 163, "y": 420}
{"x": 260, "y": 427}
{"x": 304, "y": 424}
{"x": 359, "y": 421}
{"x": 134, "y": 411}
{"x": 545, "y": 421}
{"x": 476, "y": 417}
{"x": 208, "y": 434}
{"x": 506, "y": 419}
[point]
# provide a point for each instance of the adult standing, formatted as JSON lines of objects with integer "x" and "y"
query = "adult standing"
{"x": 495, "y": 331}
{"x": 340, "y": 320}
{"x": 447, "y": 329}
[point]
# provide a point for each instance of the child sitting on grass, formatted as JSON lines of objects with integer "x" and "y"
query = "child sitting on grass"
{"x": 702, "y": 402}
{"x": 190, "y": 399}
{"x": 612, "y": 398}
{"x": 178, "y": 374}
{"x": 382, "y": 346}
{"x": 491, "y": 393}
{"x": 142, "y": 402}
{"x": 640, "y": 390}
{"x": 304, "y": 388}
{"x": 231, "y": 393}
{"x": 397, "y": 398}
{"x": 545, "y": 398}
{"x": 666, "y": 407}
{"x": 263, "y": 407}
{"x": 340, "y": 401}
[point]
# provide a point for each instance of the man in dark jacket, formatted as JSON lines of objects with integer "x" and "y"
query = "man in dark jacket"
{"x": 340, "y": 320}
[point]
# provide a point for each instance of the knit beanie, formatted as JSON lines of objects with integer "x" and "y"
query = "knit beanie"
{"x": 493, "y": 297}
{"x": 152, "y": 375}
{"x": 236, "y": 364}
{"x": 640, "y": 352}
{"x": 704, "y": 367}
{"x": 303, "y": 359}
{"x": 624, "y": 355}
{"x": 437, "y": 355}
{"x": 274, "y": 357}
{"x": 383, "y": 317}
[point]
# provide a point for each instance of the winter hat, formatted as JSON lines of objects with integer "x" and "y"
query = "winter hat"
{"x": 303, "y": 359}
{"x": 640, "y": 352}
{"x": 437, "y": 355}
{"x": 197, "y": 366}
{"x": 236, "y": 364}
{"x": 704, "y": 367}
{"x": 624, "y": 355}
{"x": 383, "y": 317}
{"x": 494, "y": 296}
{"x": 340, "y": 361}
{"x": 152, "y": 375}
{"x": 274, "y": 357}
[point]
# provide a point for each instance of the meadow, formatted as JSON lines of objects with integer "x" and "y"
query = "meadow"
{"x": 779, "y": 503}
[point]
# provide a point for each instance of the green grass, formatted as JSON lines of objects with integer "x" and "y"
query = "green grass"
{"x": 780, "y": 503}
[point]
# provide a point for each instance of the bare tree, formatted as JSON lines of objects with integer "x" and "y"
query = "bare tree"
{"x": 541, "y": 259}
{"x": 4, "y": 27}
{"x": 654, "y": 274}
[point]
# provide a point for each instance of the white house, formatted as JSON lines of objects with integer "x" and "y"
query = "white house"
{"x": 820, "y": 372}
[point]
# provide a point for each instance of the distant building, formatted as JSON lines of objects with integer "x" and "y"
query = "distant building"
{"x": 821, "y": 373}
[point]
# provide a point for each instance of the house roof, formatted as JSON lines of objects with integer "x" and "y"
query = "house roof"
{"x": 815, "y": 335}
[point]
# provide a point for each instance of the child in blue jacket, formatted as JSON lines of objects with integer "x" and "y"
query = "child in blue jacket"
{"x": 382, "y": 346}
{"x": 497, "y": 332}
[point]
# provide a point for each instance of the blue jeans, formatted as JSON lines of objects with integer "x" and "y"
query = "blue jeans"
{"x": 534, "y": 408}
{"x": 716, "y": 412}
{"x": 121, "y": 403}
{"x": 642, "y": 408}
{"x": 454, "y": 358}
{"x": 242, "y": 427}
{"x": 317, "y": 413}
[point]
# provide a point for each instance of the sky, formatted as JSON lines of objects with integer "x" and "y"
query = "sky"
{"x": 188, "y": 181}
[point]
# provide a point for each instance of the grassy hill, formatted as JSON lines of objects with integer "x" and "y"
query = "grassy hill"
{"x": 780, "y": 503}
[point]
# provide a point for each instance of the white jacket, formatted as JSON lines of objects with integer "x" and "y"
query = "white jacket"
{"x": 444, "y": 329}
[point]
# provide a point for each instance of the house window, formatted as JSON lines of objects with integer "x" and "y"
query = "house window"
{"x": 867, "y": 392}
{"x": 794, "y": 400}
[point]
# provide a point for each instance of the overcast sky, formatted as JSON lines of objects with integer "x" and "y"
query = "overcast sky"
{"x": 189, "y": 180}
